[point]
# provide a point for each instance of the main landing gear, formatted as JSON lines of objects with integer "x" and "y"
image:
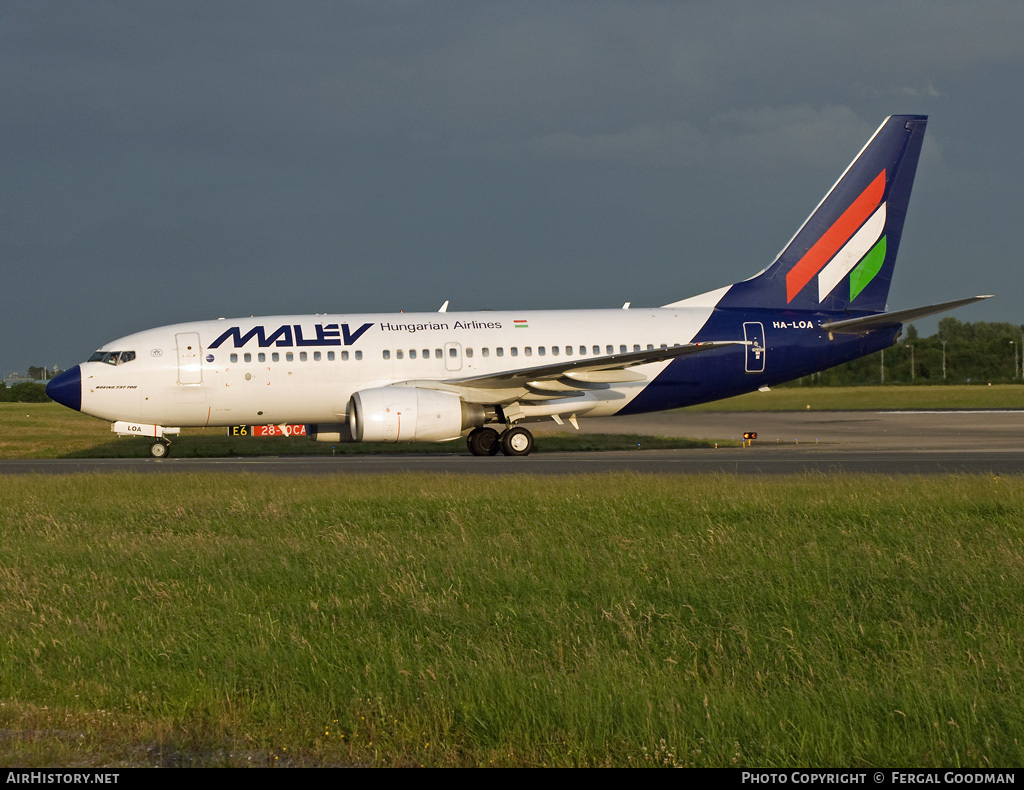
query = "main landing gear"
{"x": 484, "y": 441}
{"x": 160, "y": 448}
{"x": 487, "y": 441}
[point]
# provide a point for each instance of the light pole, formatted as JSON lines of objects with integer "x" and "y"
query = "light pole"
{"x": 912, "y": 363}
{"x": 943, "y": 360}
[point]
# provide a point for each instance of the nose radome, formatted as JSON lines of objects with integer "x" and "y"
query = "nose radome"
{"x": 66, "y": 389}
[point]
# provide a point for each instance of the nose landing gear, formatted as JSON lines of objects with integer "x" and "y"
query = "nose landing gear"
{"x": 161, "y": 444}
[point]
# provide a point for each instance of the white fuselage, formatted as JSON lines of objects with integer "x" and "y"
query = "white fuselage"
{"x": 304, "y": 369}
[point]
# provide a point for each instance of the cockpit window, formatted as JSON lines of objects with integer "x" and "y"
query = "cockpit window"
{"x": 112, "y": 357}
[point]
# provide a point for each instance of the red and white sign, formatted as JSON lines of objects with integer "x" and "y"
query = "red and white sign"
{"x": 264, "y": 431}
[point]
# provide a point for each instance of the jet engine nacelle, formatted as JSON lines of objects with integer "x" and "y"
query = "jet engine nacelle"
{"x": 410, "y": 414}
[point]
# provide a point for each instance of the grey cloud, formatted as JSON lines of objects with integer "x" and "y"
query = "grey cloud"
{"x": 263, "y": 157}
{"x": 756, "y": 141}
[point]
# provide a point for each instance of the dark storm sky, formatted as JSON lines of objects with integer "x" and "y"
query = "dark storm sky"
{"x": 164, "y": 162}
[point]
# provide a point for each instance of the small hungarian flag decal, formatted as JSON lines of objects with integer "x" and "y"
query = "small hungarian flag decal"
{"x": 521, "y": 324}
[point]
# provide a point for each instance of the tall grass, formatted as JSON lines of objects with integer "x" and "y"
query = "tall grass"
{"x": 594, "y": 620}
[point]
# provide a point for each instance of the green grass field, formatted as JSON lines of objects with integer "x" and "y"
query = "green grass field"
{"x": 592, "y": 620}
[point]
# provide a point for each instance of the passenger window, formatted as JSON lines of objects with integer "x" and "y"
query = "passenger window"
{"x": 568, "y": 350}
{"x": 426, "y": 353}
{"x": 275, "y": 357}
{"x": 302, "y": 356}
{"x": 499, "y": 351}
{"x": 344, "y": 356}
{"x": 528, "y": 351}
{"x": 622, "y": 349}
{"x": 234, "y": 357}
{"x": 399, "y": 354}
{"x": 262, "y": 357}
{"x": 247, "y": 357}
{"x": 611, "y": 349}
{"x": 316, "y": 356}
{"x": 469, "y": 352}
{"x": 515, "y": 351}
{"x": 636, "y": 347}
{"x": 330, "y": 356}
{"x": 412, "y": 353}
{"x": 438, "y": 354}
{"x": 485, "y": 352}
{"x": 541, "y": 351}
{"x": 359, "y": 355}
{"x": 650, "y": 347}
{"x": 554, "y": 351}
{"x": 387, "y": 354}
{"x": 289, "y": 357}
{"x": 453, "y": 352}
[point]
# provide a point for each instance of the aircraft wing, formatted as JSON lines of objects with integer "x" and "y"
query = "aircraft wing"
{"x": 566, "y": 377}
{"x": 863, "y": 325}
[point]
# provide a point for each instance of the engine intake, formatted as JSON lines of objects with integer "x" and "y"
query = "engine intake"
{"x": 410, "y": 414}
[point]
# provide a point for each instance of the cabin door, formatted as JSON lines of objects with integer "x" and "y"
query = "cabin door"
{"x": 753, "y": 333}
{"x": 452, "y": 356}
{"x": 190, "y": 358}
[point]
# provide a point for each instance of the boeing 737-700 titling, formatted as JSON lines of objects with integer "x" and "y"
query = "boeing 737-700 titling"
{"x": 430, "y": 377}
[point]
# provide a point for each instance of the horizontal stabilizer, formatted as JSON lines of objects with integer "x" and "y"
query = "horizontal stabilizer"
{"x": 863, "y": 325}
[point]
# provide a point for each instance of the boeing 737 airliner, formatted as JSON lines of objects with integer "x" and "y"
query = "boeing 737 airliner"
{"x": 430, "y": 377}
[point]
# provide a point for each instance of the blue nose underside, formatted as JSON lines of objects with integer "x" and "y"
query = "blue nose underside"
{"x": 66, "y": 389}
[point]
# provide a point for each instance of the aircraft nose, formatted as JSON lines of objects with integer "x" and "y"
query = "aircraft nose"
{"x": 66, "y": 389}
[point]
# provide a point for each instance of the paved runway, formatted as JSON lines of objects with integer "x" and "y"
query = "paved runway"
{"x": 955, "y": 431}
{"x": 751, "y": 461}
{"x": 986, "y": 442}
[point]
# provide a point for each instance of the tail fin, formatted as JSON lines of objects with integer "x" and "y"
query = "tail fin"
{"x": 843, "y": 256}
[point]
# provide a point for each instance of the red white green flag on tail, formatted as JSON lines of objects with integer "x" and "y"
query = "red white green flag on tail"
{"x": 853, "y": 245}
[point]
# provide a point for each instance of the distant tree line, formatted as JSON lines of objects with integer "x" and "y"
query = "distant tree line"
{"x": 958, "y": 353}
{"x": 29, "y": 391}
{"x": 26, "y": 392}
